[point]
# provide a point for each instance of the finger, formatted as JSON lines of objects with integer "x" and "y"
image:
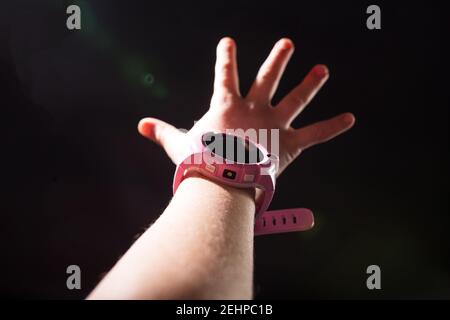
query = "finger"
{"x": 226, "y": 76}
{"x": 164, "y": 134}
{"x": 322, "y": 131}
{"x": 269, "y": 74}
{"x": 291, "y": 105}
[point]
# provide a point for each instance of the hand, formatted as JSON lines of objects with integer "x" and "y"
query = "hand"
{"x": 229, "y": 110}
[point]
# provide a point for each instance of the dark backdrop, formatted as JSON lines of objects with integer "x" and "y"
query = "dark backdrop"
{"x": 78, "y": 182}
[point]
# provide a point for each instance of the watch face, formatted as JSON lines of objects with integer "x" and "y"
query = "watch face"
{"x": 232, "y": 148}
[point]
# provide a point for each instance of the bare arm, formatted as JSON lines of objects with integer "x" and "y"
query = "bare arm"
{"x": 200, "y": 248}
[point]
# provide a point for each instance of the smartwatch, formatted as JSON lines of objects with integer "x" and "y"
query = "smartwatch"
{"x": 239, "y": 162}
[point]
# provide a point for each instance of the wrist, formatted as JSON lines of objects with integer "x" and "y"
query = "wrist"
{"x": 249, "y": 193}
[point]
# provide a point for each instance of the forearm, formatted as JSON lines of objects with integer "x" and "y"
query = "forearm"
{"x": 200, "y": 247}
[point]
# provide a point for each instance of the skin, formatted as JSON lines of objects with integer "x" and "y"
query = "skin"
{"x": 201, "y": 247}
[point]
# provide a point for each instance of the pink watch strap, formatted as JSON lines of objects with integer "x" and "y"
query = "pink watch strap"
{"x": 266, "y": 222}
{"x": 287, "y": 220}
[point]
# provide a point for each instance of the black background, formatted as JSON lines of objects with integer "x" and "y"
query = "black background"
{"x": 78, "y": 182}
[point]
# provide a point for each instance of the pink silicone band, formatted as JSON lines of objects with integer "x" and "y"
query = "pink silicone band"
{"x": 266, "y": 222}
{"x": 287, "y": 220}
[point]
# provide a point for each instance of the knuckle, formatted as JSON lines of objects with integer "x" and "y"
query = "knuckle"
{"x": 223, "y": 99}
{"x": 226, "y": 66}
{"x": 317, "y": 134}
{"x": 297, "y": 100}
{"x": 266, "y": 74}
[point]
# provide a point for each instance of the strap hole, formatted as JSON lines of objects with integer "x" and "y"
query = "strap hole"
{"x": 264, "y": 222}
{"x": 284, "y": 220}
{"x": 294, "y": 219}
{"x": 274, "y": 222}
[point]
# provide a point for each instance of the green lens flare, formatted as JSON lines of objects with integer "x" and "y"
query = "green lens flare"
{"x": 148, "y": 80}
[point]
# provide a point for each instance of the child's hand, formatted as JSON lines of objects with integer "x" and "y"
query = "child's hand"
{"x": 229, "y": 110}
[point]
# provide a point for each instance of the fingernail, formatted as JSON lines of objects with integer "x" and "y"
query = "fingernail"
{"x": 321, "y": 71}
{"x": 285, "y": 44}
{"x": 227, "y": 41}
{"x": 349, "y": 118}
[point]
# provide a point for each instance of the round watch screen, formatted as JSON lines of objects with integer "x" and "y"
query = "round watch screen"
{"x": 232, "y": 148}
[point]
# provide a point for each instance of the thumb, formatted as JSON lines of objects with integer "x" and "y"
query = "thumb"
{"x": 164, "y": 134}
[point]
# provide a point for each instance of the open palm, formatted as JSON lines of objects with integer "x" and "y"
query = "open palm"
{"x": 229, "y": 110}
